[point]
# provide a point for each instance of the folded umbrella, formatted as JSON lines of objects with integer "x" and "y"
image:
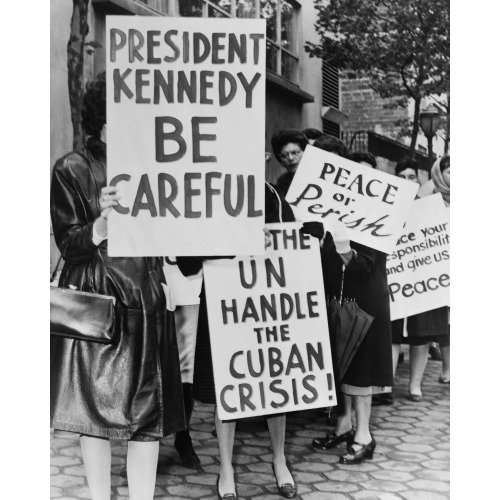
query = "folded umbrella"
{"x": 358, "y": 329}
{"x": 348, "y": 325}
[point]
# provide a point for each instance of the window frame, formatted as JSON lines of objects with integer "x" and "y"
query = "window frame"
{"x": 275, "y": 43}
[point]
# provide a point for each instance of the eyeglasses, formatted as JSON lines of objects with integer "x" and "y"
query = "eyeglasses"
{"x": 294, "y": 154}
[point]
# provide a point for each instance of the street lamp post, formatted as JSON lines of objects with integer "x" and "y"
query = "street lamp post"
{"x": 429, "y": 123}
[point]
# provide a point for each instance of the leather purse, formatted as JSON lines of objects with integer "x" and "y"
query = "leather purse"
{"x": 81, "y": 315}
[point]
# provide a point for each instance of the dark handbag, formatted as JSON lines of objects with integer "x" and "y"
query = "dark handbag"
{"x": 81, "y": 315}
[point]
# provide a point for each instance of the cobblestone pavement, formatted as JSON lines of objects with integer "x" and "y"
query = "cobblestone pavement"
{"x": 411, "y": 461}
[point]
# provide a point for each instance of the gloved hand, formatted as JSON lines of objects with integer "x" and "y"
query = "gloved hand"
{"x": 313, "y": 228}
{"x": 340, "y": 237}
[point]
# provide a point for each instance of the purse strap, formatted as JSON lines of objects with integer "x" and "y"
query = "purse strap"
{"x": 53, "y": 275}
{"x": 280, "y": 209}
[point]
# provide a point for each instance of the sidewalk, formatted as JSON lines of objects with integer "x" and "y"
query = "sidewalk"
{"x": 411, "y": 461}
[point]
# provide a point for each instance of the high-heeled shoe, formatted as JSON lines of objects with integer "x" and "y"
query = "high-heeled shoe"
{"x": 415, "y": 397}
{"x": 358, "y": 456}
{"x": 227, "y": 496}
{"x": 287, "y": 490}
{"x": 332, "y": 440}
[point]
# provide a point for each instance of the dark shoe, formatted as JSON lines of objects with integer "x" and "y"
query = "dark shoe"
{"x": 384, "y": 398}
{"x": 415, "y": 397}
{"x": 287, "y": 490}
{"x": 434, "y": 353}
{"x": 401, "y": 357}
{"x": 227, "y": 496}
{"x": 359, "y": 456}
{"x": 332, "y": 440}
{"x": 184, "y": 446}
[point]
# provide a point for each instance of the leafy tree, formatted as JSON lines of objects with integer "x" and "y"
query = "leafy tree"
{"x": 402, "y": 46}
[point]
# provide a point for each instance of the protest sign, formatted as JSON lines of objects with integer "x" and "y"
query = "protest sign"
{"x": 269, "y": 330}
{"x": 418, "y": 271}
{"x": 185, "y": 135}
{"x": 372, "y": 204}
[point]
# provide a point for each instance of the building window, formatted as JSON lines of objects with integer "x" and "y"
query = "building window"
{"x": 281, "y": 26}
{"x": 160, "y": 6}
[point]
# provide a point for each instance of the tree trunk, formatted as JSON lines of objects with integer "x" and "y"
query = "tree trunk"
{"x": 415, "y": 127}
{"x": 75, "y": 50}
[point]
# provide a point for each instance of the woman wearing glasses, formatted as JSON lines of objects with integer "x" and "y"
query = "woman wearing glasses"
{"x": 288, "y": 147}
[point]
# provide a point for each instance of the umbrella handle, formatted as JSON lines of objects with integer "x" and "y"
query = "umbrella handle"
{"x": 342, "y": 285}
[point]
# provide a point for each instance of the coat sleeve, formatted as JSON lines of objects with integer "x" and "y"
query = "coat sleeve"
{"x": 70, "y": 220}
{"x": 191, "y": 265}
{"x": 362, "y": 265}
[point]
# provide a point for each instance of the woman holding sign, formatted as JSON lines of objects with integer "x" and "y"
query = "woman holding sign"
{"x": 429, "y": 326}
{"x": 362, "y": 273}
{"x": 277, "y": 210}
{"x": 130, "y": 389}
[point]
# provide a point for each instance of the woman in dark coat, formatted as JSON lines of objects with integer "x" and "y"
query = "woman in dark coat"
{"x": 129, "y": 390}
{"x": 370, "y": 372}
{"x": 277, "y": 210}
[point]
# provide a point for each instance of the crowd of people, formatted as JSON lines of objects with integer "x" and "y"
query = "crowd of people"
{"x": 144, "y": 387}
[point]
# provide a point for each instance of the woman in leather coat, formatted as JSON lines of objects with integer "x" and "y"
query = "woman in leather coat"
{"x": 131, "y": 389}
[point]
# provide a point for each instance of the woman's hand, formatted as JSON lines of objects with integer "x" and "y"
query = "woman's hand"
{"x": 340, "y": 237}
{"x": 108, "y": 199}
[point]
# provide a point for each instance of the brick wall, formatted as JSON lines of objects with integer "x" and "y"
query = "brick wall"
{"x": 366, "y": 108}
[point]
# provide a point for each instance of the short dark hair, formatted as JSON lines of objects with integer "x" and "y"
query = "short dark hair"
{"x": 359, "y": 156}
{"x": 332, "y": 145}
{"x": 405, "y": 163}
{"x": 312, "y": 133}
{"x": 284, "y": 137}
{"x": 444, "y": 163}
{"x": 94, "y": 106}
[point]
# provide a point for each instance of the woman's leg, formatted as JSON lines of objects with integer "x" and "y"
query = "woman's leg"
{"x": 142, "y": 462}
{"x": 343, "y": 426}
{"x": 344, "y": 420}
{"x": 277, "y": 428}
{"x": 362, "y": 410}
{"x": 396, "y": 350}
{"x": 445, "y": 355}
{"x": 419, "y": 355}
{"x": 96, "y": 454}
{"x": 225, "y": 438}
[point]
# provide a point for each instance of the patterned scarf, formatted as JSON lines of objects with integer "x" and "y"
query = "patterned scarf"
{"x": 441, "y": 186}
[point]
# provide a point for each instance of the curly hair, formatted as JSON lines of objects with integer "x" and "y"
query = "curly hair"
{"x": 94, "y": 106}
{"x": 359, "y": 156}
{"x": 332, "y": 145}
{"x": 312, "y": 133}
{"x": 284, "y": 137}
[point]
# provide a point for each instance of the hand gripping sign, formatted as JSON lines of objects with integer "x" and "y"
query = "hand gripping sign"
{"x": 268, "y": 328}
{"x": 418, "y": 271}
{"x": 185, "y": 135}
{"x": 373, "y": 205}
